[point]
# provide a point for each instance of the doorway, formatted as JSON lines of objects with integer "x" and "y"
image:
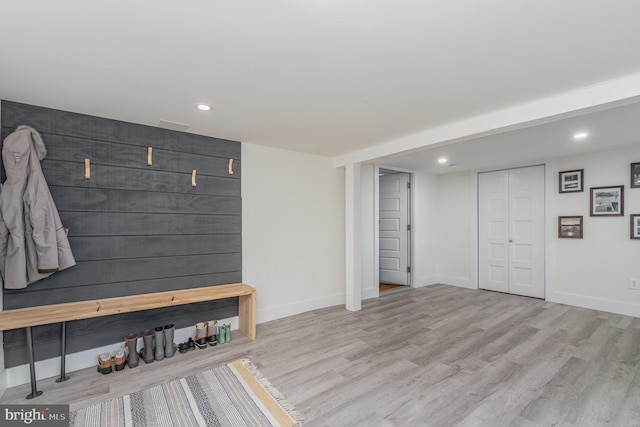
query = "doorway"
{"x": 511, "y": 231}
{"x": 394, "y": 254}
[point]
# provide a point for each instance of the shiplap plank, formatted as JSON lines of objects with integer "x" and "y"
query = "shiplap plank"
{"x": 132, "y": 269}
{"x": 123, "y": 201}
{"x": 147, "y": 224}
{"x": 40, "y": 292}
{"x": 89, "y": 248}
{"x": 73, "y": 149}
{"x": 68, "y": 174}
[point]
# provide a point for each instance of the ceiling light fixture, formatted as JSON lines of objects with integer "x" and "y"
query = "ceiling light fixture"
{"x": 203, "y": 107}
{"x": 442, "y": 160}
{"x": 580, "y": 135}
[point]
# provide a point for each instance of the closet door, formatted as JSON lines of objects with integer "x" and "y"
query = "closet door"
{"x": 493, "y": 229}
{"x": 511, "y": 231}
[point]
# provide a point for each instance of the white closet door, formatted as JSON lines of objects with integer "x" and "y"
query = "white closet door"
{"x": 493, "y": 228}
{"x": 511, "y": 231}
{"x": 526, "y": 223}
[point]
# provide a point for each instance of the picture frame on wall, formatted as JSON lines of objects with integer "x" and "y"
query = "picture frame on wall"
{"x": 571, "y": 181}
{"x": 607, "y": 201}
{"x": 635, "y": 226}
{"x": 635, "y": 175}
{"x": 570, "y": 227}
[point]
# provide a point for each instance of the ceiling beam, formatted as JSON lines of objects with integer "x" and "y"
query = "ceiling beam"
{"x": 598, "y": 97}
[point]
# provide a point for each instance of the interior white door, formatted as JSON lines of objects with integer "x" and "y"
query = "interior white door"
{"x": 393, "y": 228}
{"x": 493, "y": 230}
{"x": 511, "y": 231}
{"x": 526, "y": 223}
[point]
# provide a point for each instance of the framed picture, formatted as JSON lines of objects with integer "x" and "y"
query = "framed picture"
{"x": 635, "y": 175}
{"x": 607, "y": 201}
{"x": 570, "y": 227}
{"x": 571, "y": 181}
{"x": 635, "y": 226}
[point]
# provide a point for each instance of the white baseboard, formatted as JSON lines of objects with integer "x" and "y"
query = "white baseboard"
{"x": 48, "y": 368}
{"x": 609, "y": 306}
{"x": 458, "y": 281}
{"x": 275, "y": 313}
{"x": 370, "y": 293}
{"x": 426, "y": 281}
{"x": 445, "y": 280}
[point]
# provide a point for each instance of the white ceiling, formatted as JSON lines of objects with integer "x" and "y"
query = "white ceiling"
{"x": 608, "y": 129}
{"x": 328, "y": 77}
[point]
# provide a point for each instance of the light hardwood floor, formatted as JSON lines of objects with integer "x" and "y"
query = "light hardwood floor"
{"x": 435, "y": 356}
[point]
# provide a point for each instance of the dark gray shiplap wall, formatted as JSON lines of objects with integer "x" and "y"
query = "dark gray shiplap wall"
{"x": 133, "y": 228}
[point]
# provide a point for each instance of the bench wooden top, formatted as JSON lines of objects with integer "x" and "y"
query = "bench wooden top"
{"x": 56, "y": 313}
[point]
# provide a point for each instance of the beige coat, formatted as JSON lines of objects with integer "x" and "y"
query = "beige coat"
{"x": 33, "y": 242}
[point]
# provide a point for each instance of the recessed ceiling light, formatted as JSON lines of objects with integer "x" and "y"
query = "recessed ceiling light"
{"x": 203, "y": 107}
{"x": 580, "y": 135}
{"x": 442, "y": 160}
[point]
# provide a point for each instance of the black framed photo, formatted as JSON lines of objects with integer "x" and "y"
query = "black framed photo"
{"x": 607, "y": 201}
{"x": 570, "y": 227}
{"x": 635, "y": 175}
{"x": 635, "y": 226}
{"x": 571, "y": 181}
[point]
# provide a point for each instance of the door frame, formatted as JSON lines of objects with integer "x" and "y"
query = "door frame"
{"x": 549, "y": 224}
{"x": 376, "y": 225}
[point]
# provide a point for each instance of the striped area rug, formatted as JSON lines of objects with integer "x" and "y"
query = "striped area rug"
{"x": 235, "y": 394}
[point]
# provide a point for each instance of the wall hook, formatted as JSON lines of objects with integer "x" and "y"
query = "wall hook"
{"x": 230, "y": 166}
{"x": 193, "y": 178}
{"x": 149, "y": 156}
{"x": 87, "y": 169}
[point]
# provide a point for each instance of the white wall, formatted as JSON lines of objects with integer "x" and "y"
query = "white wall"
{"x": 594, "y": 271}
{"x": 368, "y": 235}
{"x": 425, "y": 219}
{"x": 292, "y": 230}
{"x": 455, "y": 228}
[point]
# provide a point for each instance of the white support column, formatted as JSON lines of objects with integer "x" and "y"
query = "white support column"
{"x": 353, "y": 262}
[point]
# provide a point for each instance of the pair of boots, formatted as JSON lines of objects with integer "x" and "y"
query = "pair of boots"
{"x": 105, "y": 362}
{"x": 206, "y": 332}
{"x": 224, "y": 334}
{"x": 158, "y": 344}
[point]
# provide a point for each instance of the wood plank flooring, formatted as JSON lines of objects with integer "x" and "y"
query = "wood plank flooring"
{"x": 434, "y": 356}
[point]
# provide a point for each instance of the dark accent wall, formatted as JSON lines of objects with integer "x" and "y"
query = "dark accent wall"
{"x": 133, "y": 228}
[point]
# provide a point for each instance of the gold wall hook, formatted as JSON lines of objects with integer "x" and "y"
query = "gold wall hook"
{"x": 230, "y": 166}
{"x": 193, "y": 178}
{"x": 149, "y": 156}
{"x": 87, "y": 169}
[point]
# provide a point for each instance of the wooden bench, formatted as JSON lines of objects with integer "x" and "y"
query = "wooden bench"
{"x": 61, "y": 313}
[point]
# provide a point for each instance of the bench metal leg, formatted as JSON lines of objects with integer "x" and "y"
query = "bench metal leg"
{"x": 32, "y": 366}
{"x": 63, "y": 354}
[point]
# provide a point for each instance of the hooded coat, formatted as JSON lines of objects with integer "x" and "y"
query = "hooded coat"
{"x": 33, "y": 242}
